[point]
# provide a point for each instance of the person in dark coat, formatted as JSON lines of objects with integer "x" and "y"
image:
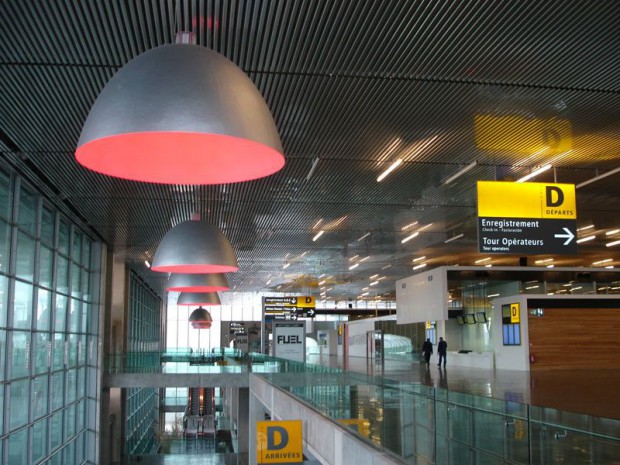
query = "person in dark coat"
{"x": 442, "y": 348}
{"x": 427, "y": 350}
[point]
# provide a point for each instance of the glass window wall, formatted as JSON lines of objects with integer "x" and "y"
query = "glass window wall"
{"x": 48, "y": 310}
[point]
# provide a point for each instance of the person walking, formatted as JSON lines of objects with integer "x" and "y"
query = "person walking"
{"x": 427, "y": 350}
{"x": 442, "y": 348}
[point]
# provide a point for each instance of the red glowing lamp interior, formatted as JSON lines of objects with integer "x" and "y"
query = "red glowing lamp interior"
{"x": 180, "y": 158}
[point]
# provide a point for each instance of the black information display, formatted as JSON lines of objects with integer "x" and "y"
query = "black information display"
{"x": 527, "y": 236}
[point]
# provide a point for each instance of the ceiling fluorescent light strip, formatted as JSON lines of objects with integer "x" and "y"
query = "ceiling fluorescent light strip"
{"x": 419, "y": 259}
{"x": 364, "y": 237}
{"x": 585, "y": 239}
{"x": 421, "y": 265}
{"x": 391, "y": 168}
{"x": 611, "y": 244}
{"x": 461, "y": 172}
{"x": 319, "y": 234}
{"x": 312, "y": 168}
{"x": 534, "y": 173}
{"x": 453, "y": 238}
{"x": 408, "y": 238}
{"x": 390, "y": 150}
{"x": 597, "y": 178}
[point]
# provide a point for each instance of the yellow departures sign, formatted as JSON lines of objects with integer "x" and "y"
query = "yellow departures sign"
{"x": 498, "y": 199}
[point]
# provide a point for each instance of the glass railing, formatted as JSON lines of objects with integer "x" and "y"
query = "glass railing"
{"x": 187, "y": 361}
{"x": 429, "y": 425}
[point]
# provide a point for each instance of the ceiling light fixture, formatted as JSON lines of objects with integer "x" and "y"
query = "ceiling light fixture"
{"x": 534, "y": 173}
{"x": 374, "y": 283}
{"x": 583, "y": 228}
{"x": 373, "y": 276}
{"x": 353, "y": 258}
{"x": 198, "y": 298}
{"x": 598, "y": 178}
{"x": 407, "y": 226}
{"x": 319, "y": 234}
{"x": 389, "y": 150}
{"x": 421, "y": 265}
{"x": 147, "y": 263}
{"x": 188, "y": 282}
{"x": 317, "y": 224}
{"x": 600, "y": 262}
{"x": 364, "y": 259}
{"x": 611, "y": 244}
{"x": 286, "y": 265}
{"x": 312, "y": 168}
{"x": 200, "y": 318}
{"x": 612, "y": 232}
{"x": 391, "y": 168}
{"x": 482, "y": 260}
{"x": 194, "y": 246}
{"x": 454, "y": 238}
{"x": 461, "y": 172}
{"x": 408, "y": 238}
{"x": 419, "y": 259}
{"x": 545, "y": 260}
{"x": 586, "y": 239}
{"x": 363, "y": 237}
{"x": 352, "y": 267}
{"x": 180, "y": 114}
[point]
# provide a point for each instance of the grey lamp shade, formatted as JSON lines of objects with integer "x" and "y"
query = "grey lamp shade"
{"x": 198, "y": 298}
{"x": 200, "y": 315}
{"x": 188, "y": 282}
{"x": 181, "y": 114}
{"x": 194, "y": 247}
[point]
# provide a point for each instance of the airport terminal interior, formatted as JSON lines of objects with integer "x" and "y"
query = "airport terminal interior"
{"x": 228, "y": 228}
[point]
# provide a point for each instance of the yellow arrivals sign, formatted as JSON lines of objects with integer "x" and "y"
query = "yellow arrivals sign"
{"x": 499, "y": 199}
{"x": 279, "y": 441}
{"x": 515, "y": 313}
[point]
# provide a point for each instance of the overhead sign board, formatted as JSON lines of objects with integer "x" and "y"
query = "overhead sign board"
{"x": 279, "y": 441}
{"x": 526, "y": 218}
{"x": 288, "y": 308}
{"x": 515, "y": 313}
{"x": 289, "y": 340}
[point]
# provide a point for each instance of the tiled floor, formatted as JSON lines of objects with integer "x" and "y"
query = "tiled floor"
{"x": 592, "y": 392}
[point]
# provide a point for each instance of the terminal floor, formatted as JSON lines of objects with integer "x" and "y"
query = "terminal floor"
{"x": 586, "y": 391}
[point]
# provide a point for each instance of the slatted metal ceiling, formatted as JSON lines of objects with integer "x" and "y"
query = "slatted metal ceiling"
{"x": 345, "y": 81}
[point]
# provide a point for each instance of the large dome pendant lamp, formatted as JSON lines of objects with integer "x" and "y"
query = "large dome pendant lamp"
{"x": 194, "y": 246}
{"x": 186, "y": 282}
{"x": 180, "y": 114}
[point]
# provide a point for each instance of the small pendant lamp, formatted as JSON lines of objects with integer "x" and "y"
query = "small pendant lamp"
{"x": 180, "y": 114}
{"x": 201, "y": 318}
{"x": 187, "y": 282}
{"x": 194, "y": 246}
{"x": 198, "y": 298}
